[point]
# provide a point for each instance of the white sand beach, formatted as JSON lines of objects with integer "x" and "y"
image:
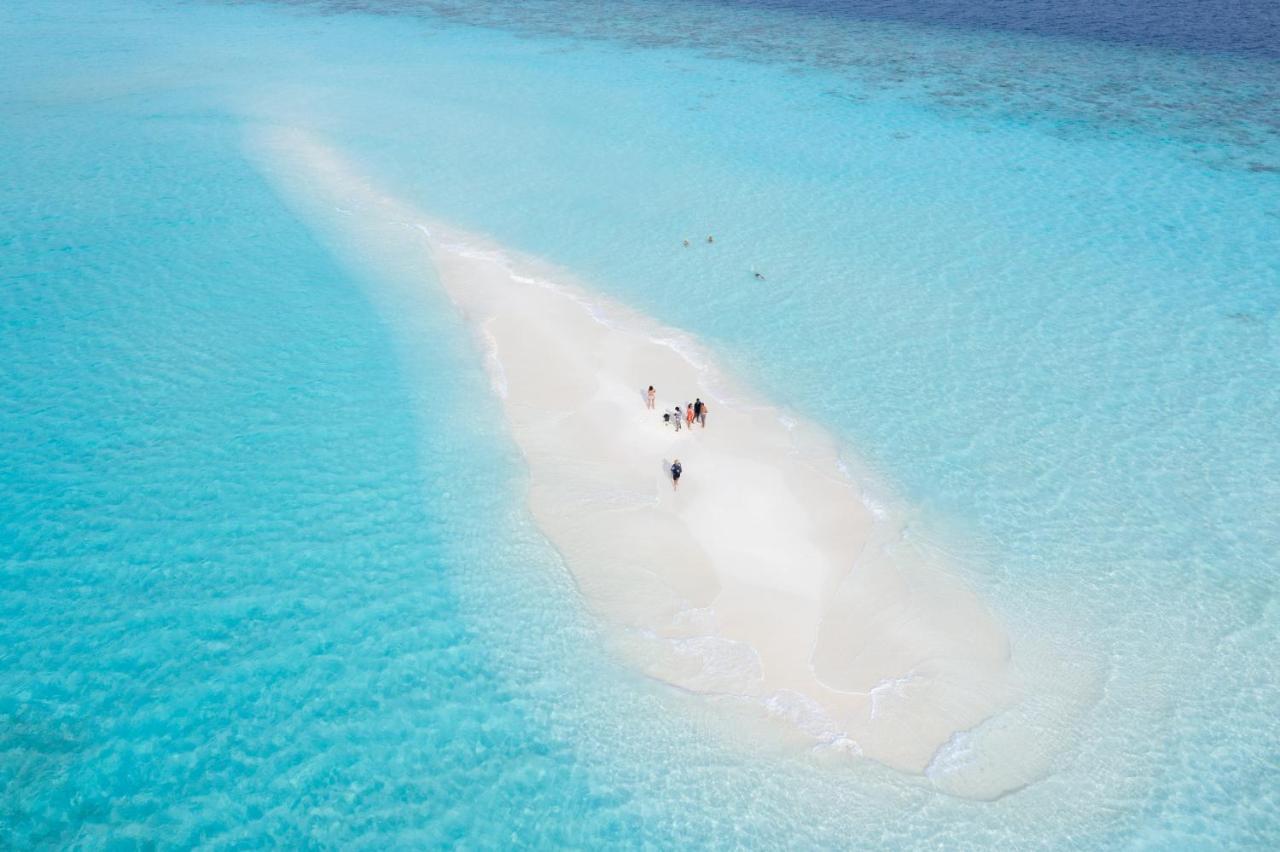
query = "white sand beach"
{"x": 765, "y": 580}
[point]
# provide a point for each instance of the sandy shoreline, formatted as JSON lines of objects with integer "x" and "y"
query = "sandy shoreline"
{"x": 748, "y": 580}
{"x": 766, "y": 578}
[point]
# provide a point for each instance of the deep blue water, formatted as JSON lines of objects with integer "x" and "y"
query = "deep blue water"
{"x": 1248, "y": 27}
{"x": 1205, "y": 74}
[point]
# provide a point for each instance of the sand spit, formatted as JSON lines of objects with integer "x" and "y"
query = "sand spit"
{"x": 767, "y": 580}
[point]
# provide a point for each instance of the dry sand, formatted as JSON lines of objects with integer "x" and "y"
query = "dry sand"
{"x": 766, "y": 579}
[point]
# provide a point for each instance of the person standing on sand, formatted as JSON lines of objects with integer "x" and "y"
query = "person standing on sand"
{"x": 688, "y": 415}
{"x": 676, "y": 470}
{"x": 679, "y": 418}
{"x": 702, "y": 415}
{"x": 697, "y": 409}
{"x": 651, "y": 396}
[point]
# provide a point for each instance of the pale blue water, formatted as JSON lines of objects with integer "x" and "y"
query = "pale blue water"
{"x": 267, "y": 579}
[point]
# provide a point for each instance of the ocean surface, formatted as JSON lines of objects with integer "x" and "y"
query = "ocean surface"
{"x": 266, "y": 573}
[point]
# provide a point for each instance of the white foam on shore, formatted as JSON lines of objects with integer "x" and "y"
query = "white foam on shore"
{"x": 889, "y": 687}
{"x": 952, "y": 756}
{"x": 805, "y": 714}
{"x": 493, "y": 364}
{"x": 720, "y": 659}
{"x": 772, "y": 576}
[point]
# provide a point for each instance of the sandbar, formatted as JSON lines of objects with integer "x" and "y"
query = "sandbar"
{"x": 768, "y": 578}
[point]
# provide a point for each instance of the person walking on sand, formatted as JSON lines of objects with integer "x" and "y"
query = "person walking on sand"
{"x": 702, "y": 415}
{"x": 649, "y": 398}
{"x": 679, "y": 418}
{"x": 676, "y": 470}
{"x": 697, "y": 409}
{"x": 688, "y": 415}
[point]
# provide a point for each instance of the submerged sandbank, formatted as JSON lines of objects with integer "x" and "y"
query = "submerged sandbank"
{"x": 767, "y": 581}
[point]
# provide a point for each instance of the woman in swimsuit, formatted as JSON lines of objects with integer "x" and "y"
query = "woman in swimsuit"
{"x": 651, "y": 396}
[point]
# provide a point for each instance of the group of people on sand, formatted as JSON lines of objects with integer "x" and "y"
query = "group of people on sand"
{"x": 693, "y": 412}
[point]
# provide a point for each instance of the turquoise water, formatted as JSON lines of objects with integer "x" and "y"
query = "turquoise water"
{"x": 267, "y": 577}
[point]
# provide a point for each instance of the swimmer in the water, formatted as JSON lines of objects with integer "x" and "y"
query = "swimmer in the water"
{"x": 686, "y": 243}
{"x": 710, "y": 238}
{"x": 759, "y": 276}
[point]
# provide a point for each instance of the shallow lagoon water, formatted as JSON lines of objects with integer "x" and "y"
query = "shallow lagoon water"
{"x": 267, "y": 575}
